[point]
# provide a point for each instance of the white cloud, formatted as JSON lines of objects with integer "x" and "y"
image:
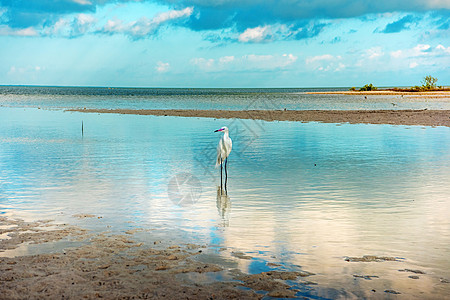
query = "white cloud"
{"x": 421, "y": 50}
{"x": 278, "y": 32}
{"x": 162, "y": 67}
{"x": 83, "y": 2}
{"x": 83, "y": 22}
{"x": 375, "y": 52}
{"x": 340, "y": 67}
{"x": 61, "y": 27}
{"x": 397, "y": 54}
{"x": 78, "y": 25}
{"x": 424, "y": 56}
{"x": 26, "y": 32}
{"x": 441, "y": 48}
{"x": 326, "y": 63}
{"x": 246, "y": 62}
{"x": 114, "y": 26}
{"x": 255, "y": 35}
{"x": 145, "y": 26}
{"x": 171, "y": 15}
{"x": 24, "y": 72}
{"x": 226, "y": 59}
{"x": 204, "y": 64}
{"x": 422, "y": 47}
{"x": 319, "y": 58}
{"x": 290, "y": 58}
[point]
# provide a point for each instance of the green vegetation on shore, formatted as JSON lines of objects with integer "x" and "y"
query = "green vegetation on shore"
{"x": 367, "y": 87}
{"x": 428, "y": 85}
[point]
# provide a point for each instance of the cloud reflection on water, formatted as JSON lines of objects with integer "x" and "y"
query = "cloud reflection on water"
{"x": 305, "y": 194}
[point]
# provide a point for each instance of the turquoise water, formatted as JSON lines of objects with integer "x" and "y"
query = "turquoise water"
{"x": 303, "y": 195}
{"x": 233, "y": 99}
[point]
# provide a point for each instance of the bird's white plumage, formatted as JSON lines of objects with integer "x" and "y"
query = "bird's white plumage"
{"x": 224, "y": 147}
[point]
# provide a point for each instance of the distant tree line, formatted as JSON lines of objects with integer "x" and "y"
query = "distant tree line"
{"x": 367, "y": 87}
{"x": 428, "y": 84}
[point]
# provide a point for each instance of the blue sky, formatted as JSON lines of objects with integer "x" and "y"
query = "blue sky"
{"x": 224, "y": 43}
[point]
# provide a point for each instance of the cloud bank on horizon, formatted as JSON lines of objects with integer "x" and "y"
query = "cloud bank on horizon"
{"x": 291, "y": 39}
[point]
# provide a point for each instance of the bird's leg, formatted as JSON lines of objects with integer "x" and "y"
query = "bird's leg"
{"x": 220, "y": 172}
{"x": 226, "y": 173}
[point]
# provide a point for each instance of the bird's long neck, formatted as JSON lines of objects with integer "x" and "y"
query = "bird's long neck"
{"x": 225, "y": 135}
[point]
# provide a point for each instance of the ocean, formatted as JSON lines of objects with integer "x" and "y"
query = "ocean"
{"x": 232, "y": 99}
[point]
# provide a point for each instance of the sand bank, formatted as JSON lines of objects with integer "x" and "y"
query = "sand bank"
{"x": 117, "y": 266}
{"x": 385, "y": 92}
{"x": 113, "y": 266}
{"x": 394, "y": 117}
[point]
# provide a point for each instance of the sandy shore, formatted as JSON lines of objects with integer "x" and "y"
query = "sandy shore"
{"x": 384, "y": 92}
{"x": 116, "y": 266}
{"x": 394, "y": 117}
{"x": 113, "y": 266}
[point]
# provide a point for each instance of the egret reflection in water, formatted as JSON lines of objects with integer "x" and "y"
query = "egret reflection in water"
{"x": 223, "y": 205}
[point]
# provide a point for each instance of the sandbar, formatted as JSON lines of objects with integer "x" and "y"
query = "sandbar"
{"x": 393, "y": 117}
{"x": 116, "y": 266}
{"x": 386, "y": 92}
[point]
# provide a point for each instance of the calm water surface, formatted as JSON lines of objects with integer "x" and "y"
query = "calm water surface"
{"x": 233, "y": 99}
{"x": 303, "y": 195}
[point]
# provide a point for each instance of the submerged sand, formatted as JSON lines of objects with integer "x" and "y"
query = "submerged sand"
{"x": 115, "y": 266}
{"x": 393, "y": 117}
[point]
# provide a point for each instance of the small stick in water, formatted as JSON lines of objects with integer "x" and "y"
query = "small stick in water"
{"x": 82, "y": 128}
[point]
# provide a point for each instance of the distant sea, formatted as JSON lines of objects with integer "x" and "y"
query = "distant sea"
{"x": 202, "y": 98}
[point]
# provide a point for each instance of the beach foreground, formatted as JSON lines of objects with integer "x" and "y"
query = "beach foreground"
{"x": 117, "y": 266}
{"x": 111, "y": 266}
{"x": 393, "y": 117}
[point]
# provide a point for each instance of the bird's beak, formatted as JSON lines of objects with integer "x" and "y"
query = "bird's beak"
{"x": 218, "y": 130}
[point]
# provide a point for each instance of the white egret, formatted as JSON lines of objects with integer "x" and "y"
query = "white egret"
{"x": 223, "y": 150}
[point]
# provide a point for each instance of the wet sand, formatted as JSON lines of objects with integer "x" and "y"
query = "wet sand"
{"x": 113, "y": 266}
{"x": 116, "y": 266}
{"x": 393, "y": 117}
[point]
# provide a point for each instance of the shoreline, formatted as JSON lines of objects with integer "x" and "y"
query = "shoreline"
{"x": 117, "y": 266}
{"x": 385, "y": 92}
{"x": 389, "y": 117}
{"x": 107, "y": 265}
{"x": 92, "y": 265}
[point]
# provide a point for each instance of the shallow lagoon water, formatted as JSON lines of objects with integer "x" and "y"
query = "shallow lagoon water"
{"x": 304, "y": 195}
{"x": 230, "y": 99}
